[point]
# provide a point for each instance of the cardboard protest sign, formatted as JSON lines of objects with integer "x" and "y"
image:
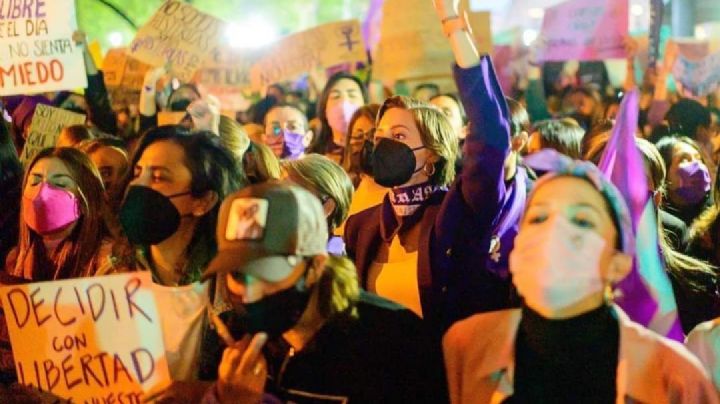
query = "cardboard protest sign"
{"x": 37, "y": 53}
{"x": 585, "y": 30}
{"x": 323, "y": 46}
{"x": 177, "y": 35}
{"x": 46, "y": 124}
{"x": 124, "y": 77}
{"x": 411, "y": 51}
{"x": 480, "y": 26}
{"x": 226, "y": 75}
{"x": 698, "y": 77}
{"x": 94, "y": 339}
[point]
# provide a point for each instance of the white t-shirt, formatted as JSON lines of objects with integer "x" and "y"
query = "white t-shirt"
{"x": 183, "y": 310}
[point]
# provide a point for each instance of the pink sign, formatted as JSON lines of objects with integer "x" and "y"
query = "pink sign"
{"x": 585, "y": 30}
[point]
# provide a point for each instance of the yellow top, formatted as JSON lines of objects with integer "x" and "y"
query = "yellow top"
{"x": 395, "y": 277}
{"x": 367, "y": 195}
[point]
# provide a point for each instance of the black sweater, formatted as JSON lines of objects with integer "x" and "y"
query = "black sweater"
{"x": 566, "y": 361}
{"x": 383, "y": 356}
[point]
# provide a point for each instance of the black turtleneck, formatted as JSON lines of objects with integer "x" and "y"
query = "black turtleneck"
{"x": 566, "y": 361}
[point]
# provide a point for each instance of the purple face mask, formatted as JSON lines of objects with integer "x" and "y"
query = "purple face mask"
{"x": 293, "y": 147}
{"x": 694, "y": 182}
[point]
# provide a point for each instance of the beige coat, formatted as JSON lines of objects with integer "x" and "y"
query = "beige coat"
{"x": 480, "y": 360}
{"x": 704, "y": 342}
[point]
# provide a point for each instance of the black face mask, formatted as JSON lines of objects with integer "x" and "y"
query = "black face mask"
{"x": 365, "y": 157}
{"x": 276, "y": 313}
{"x": 393, "y": 163}
{"x": 180, "y": 105}
{"x": 149, "y": 217}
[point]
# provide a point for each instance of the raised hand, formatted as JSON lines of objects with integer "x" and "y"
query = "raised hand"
{"x": 243, "y": 370}
{"x": 205, "y": 114}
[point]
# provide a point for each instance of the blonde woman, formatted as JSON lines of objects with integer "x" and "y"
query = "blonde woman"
{"x": 330, "y": 184}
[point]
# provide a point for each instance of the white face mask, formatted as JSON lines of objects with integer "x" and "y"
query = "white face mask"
{"x": 555, "y": 264}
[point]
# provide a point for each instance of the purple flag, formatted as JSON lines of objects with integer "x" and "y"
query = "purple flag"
{"x": 371, "y": 24}
{"x": 646, "y": 294}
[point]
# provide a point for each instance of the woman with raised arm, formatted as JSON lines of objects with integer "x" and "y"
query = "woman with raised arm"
{"x": 441, "y": 252}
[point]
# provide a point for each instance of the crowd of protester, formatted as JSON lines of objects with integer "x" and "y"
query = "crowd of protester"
{"x": 446, "y": 247}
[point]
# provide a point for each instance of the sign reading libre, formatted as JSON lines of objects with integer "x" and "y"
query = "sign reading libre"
{"x": 585, "y": 30}
{"x": 177, "y": 35}
{"x": 46, "y": 125}
{"x": 37, "y": 53}
{"x": 89, "y": 339}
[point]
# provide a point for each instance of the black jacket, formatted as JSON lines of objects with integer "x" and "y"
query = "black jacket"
{"x": 383, "y": 356}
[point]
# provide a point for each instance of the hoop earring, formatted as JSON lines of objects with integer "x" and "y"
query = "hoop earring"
{"x": 429, "y": 172}
{"x": 609, "y": 295}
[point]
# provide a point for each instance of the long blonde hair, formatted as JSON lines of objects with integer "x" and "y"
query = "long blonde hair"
{"x": 338, "y": 288}
{"x": 325, "y": 177}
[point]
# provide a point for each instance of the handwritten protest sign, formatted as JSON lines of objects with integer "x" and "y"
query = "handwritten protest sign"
{"x": 124, "y": 77}
{"x": 93, "y": 339}
{"x": 46, "y": 124}
{"x": 411, "y": 51}
{"x": 177, "y": 35}
{"x": 585, "y": 30}
{"x": 226, "y": 75}
{"x": 323, "y": 46}
{"x": 37, "y": 53}
{"x": 698, "y": 77}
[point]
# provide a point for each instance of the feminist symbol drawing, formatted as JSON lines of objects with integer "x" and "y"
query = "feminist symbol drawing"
{"x": 347, "y": 32}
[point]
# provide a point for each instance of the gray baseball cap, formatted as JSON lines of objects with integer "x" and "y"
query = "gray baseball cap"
{"x": 264, "y": 230}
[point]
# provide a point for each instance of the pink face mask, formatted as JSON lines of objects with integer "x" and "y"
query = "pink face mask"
{"x": 339, "y": 118}
{"x": 51, "y": 209}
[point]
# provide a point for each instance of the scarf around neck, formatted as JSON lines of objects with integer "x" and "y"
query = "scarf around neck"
{"x": 406, "y": 200}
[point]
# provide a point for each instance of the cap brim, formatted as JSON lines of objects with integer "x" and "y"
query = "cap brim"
{"x": 273, "y": 268}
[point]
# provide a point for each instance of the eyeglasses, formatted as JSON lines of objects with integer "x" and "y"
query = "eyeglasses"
{"x": 369, "y": 135}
